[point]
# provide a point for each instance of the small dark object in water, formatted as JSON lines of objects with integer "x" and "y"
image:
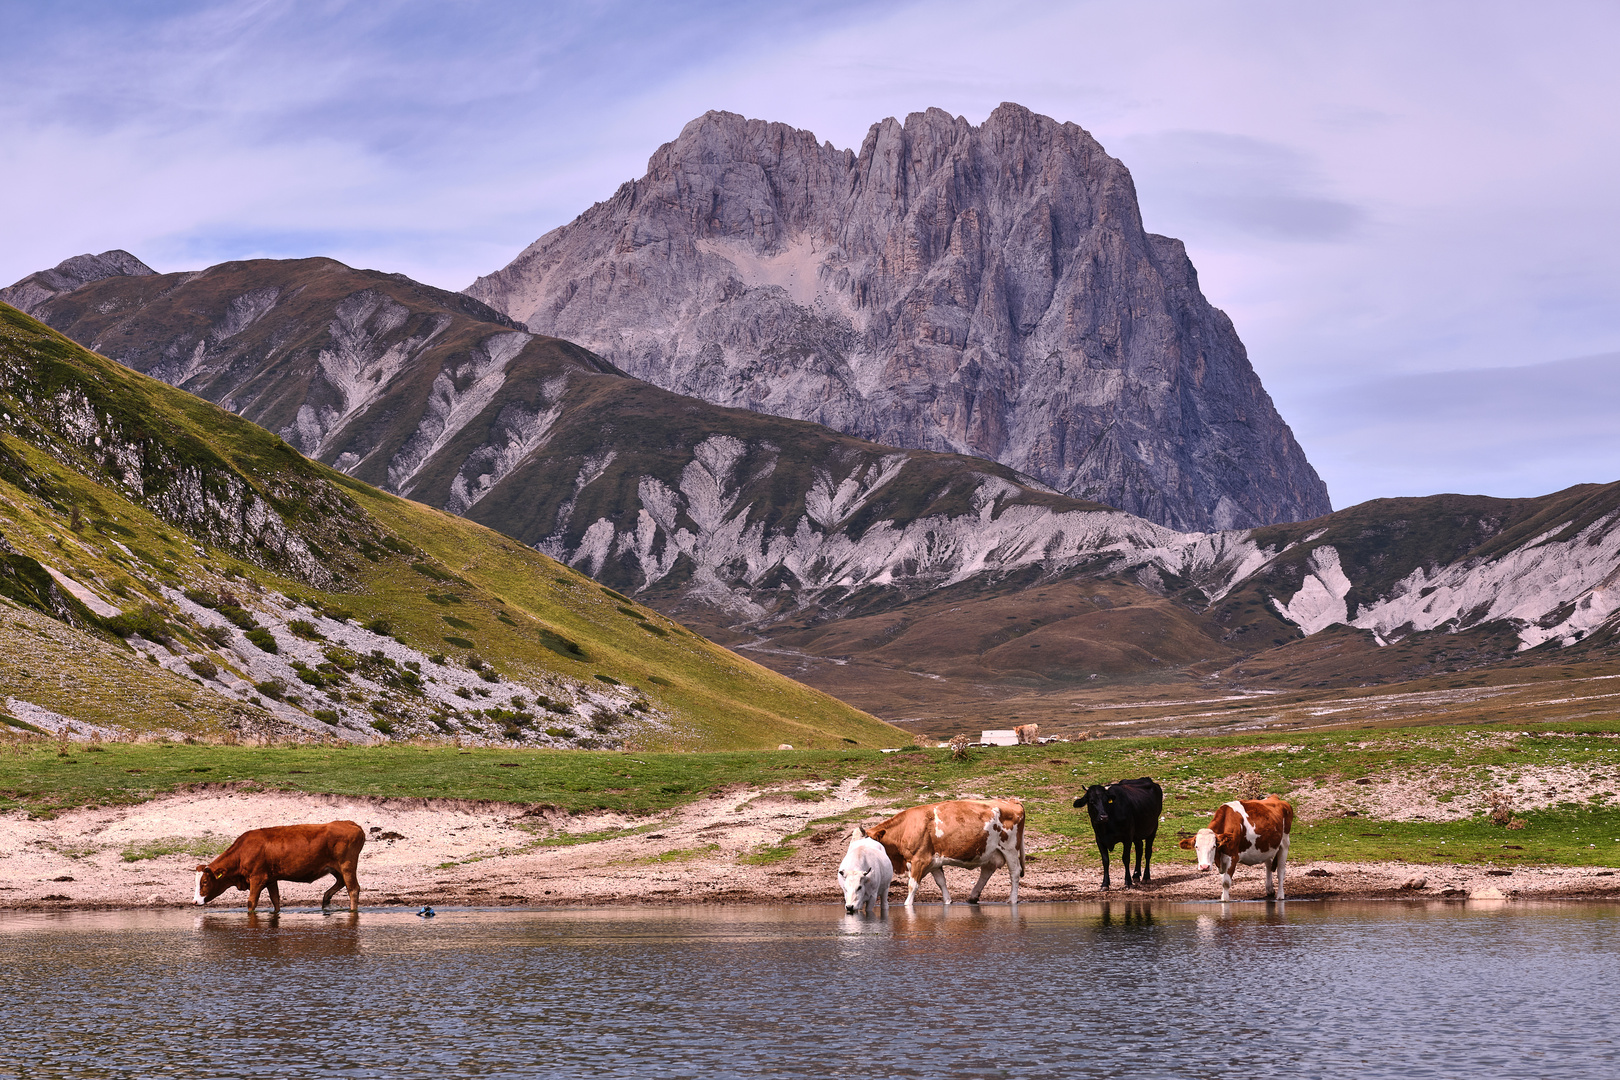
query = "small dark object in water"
{"x": 426, "y": 912}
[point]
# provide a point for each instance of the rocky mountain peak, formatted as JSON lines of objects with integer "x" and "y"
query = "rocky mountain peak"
{"x": 32, "y": 291}
{"x": 983, "y": 289}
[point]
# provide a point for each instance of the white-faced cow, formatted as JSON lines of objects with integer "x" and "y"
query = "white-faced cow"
{"x": 1125, "y": 813}
{"x": 982, "y": 834}
{"x": 261, "y": 857}
{"x": 864, "y": 875}
{"x": 1246, "y": 832}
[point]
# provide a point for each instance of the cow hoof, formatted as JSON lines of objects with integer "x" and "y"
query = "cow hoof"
{"x": 973, "y": 899}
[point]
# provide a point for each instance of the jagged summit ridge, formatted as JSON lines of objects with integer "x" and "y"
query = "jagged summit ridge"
{"x": 980, "y": 289}
{"x": 34, "y": 290}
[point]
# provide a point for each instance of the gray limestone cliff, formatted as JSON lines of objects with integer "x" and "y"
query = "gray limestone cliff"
{"x": 985, "y": 290}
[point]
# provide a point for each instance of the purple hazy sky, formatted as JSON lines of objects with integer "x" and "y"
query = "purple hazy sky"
{"x": 1409, "y": 210}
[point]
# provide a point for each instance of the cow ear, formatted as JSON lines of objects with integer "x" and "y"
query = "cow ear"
{"x": 877, "y": 834}
{"x": 1186, "y": 843}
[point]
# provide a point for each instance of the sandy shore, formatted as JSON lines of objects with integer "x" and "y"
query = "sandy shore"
{"x": 447, "y": 853}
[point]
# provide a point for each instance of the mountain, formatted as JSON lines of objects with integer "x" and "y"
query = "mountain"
{"x": 34, "y": 290}
{"x": 982, "y": 290}
{"x": 903, "y": 581}
{"x": 167, "y": 568}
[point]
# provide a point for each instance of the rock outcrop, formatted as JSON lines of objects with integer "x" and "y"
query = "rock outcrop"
{"x": 983, "y": 290}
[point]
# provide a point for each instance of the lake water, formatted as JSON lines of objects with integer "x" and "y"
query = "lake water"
{"x": 1051, "y": 990}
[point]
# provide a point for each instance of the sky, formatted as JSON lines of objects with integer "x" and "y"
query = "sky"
{"x": 1410, "y": 211}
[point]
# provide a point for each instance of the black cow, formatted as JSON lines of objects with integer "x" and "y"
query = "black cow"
{"x": 1125, "y": 813}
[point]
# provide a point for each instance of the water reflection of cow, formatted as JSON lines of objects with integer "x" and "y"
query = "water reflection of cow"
{"x": 304, "y": 853}
{"x": 1125, "y": 813}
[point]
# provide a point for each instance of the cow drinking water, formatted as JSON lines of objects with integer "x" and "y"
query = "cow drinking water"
{"x": 1246, "y": 832}
{"x": 1125, "y": 813}
{"x": 261, "y": 857}
{"x": 864, "y": 875}
{"x": 981, "y": 834}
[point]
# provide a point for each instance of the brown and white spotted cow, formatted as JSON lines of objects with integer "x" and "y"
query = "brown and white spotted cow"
{"x": 982, "y": 834}
{"x": 1246, "y": 832}
{"x": 261, "y": 857}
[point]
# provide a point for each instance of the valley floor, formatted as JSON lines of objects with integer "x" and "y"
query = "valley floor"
{"x": 739, "y": 845}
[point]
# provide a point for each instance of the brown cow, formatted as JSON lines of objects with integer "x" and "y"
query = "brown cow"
{"x": 1246, "y": 832}
{"x": 980, "y": 834}
{"x": 303, "y": 853}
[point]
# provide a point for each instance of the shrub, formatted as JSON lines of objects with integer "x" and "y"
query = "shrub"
{"x": 562, "y": 646}
{"x": 380, "y": 626}
{"x": 459, "y": 642}
{"x": 341, "y": 658}
{"x": 263, "y": 639}
{"x": 148, "y": 622}
{"x": 216, "y": 634}
{"x": 659, "y": 680}
{"x": 238, "y": 616}
{"x": 651, "y": 629}
{"x": 202, "y": 597}
{"x": 489, "y": 675}
{"x": 610, "y": 680}
{"x": 560, "y": 732}
{"x": 383, "y": 726}
{"x": 306, "y": 630}
{"x": 462, "y": 691}
{"x": 274, "y": 689}
{"x": 205, "y": 669}
{"x": 326, "y": 716}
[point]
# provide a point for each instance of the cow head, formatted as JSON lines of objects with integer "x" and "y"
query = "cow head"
{"x": 853, "y": 872}
{"x": 209, "y": 885}
{"x": 1098, "y": 802}
{"x": 1204, "y": 844}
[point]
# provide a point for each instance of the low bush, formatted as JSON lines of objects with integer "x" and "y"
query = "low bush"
{"x": 264, "y": 639}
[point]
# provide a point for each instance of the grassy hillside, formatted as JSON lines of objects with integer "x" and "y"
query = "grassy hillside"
{"x": 168, "y": 567}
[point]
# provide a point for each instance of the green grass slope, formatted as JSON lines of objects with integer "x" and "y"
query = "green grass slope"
{"x": 169, "y": 568}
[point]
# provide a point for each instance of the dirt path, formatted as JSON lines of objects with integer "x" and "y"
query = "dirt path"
{"x": 723, "y": 849}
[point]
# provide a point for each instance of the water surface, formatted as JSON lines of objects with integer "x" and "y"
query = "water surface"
{"x": 1060, "y": 990}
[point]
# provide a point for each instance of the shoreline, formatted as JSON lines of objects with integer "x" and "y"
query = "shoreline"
{"x": 740, "y": 846}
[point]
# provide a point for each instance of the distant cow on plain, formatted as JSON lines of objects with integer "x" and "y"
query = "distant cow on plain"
{"x": 981, "y": 834}
{"x": 261, "y": 857}
{"x": 1246, "y": 832}
{"x": 1125, "y": 813}
{"x": 864, "y": 875}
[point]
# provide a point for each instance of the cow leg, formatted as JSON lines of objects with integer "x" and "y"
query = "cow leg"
{"x": 939, "y": 879}
{"x": 913, "y": 880}
{"x": 1147, "y": 869}
{"x": 978, "y": 886}
{"x": 1125, "y": 860}
{"x": 1015, "y": 870}
{"x": 1282, "y": 868}
{"x": 275, "y": 897}
{"x": 255, "y": 886}
{"x": 1226, "y": 880}
{"x": 1107, "y": 857}
{"x": 326, "y": 897}
{"x": 351, "y": 881}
